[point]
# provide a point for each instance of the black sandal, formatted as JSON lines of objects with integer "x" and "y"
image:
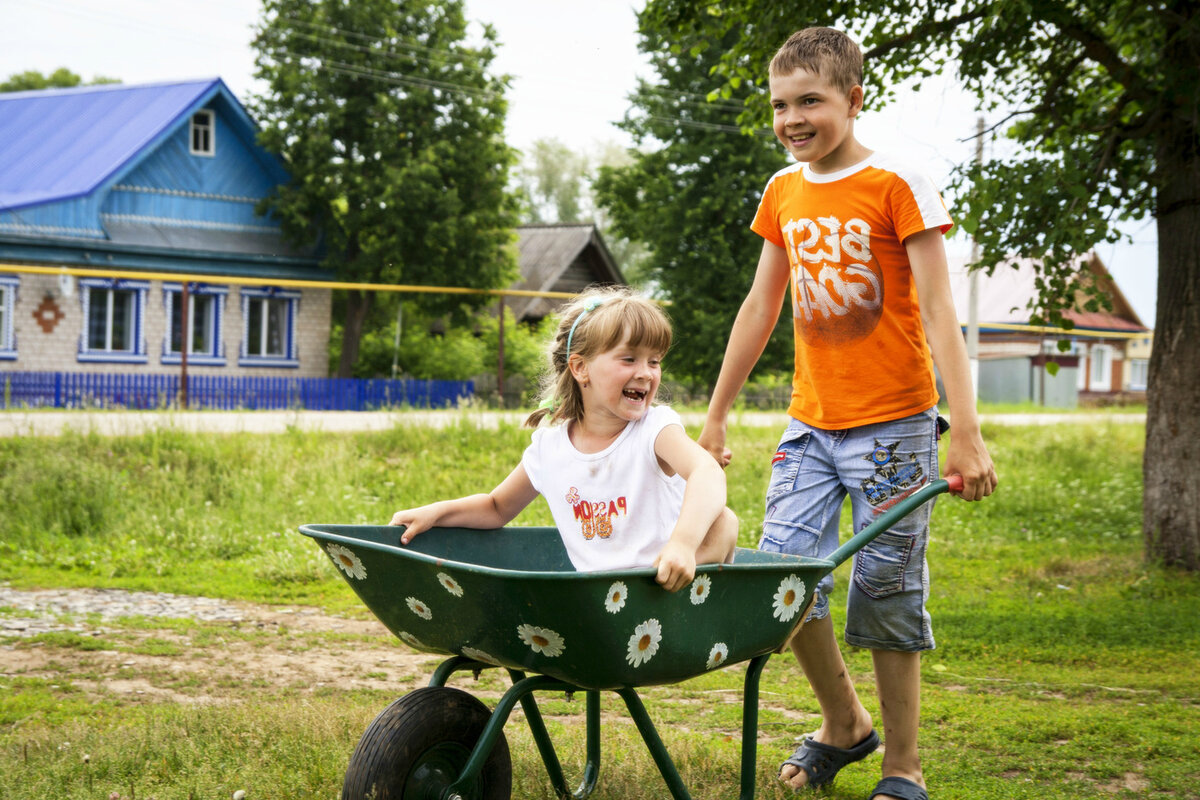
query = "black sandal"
{"x": 902, "y": 788}
{"x": 822, "y": 762}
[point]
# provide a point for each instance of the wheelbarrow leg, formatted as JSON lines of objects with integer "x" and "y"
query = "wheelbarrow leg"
{"x": 750, "y": 725}
{"x": 541, "y": 737}
{"x": 654, "y": 744}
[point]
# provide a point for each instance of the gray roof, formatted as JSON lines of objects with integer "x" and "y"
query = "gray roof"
{"x": 560, "y": 258}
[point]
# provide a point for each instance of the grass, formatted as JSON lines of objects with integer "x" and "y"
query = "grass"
{"x": 1065, "y": 664}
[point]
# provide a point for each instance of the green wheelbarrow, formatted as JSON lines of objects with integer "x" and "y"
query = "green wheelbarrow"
{"x": 510, "y": 599}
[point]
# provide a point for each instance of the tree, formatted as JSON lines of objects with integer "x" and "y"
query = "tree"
{"x": 392, "y": 129}
{"x": 689, "y": 196}
{"x": 1102, "y": 102}
{"x": 61, "y": 78}
{"x": 553, "y": 182}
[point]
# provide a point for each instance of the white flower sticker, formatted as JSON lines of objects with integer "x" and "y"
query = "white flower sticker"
{"x": 449, "y": 584}
{"x": 345, "y": 558}
{"x": 788, "y": 597}
{"x": 418, "y": 608}
{"x": 478, "y": 655}
{"x": 700, "y": 589}
{"x": 541, "y": 640}
{"x": 644, "y": 642}
{"x": 717, "y": 656}
{"x": 411, "y": 640}
{"x": 614, "y": 601}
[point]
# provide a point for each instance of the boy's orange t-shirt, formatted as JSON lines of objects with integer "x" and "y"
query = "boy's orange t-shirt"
{"x": 861, "y": 354}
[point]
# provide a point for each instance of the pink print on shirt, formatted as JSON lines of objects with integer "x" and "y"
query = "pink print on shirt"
{"x": 595, "y": 518}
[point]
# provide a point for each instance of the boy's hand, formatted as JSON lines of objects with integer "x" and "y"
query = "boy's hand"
{"x": 968, "y": 456}
{"x": 676, "y": 566}
{"x": 712, "y": 439}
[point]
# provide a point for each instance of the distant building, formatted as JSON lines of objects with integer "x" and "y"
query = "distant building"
{"x": 1109, "y": 353}
{"x": 559, "y": 258}
{"x": 148, "y": 182}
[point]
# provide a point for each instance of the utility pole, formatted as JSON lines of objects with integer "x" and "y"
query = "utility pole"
{"x": 973, "y": 285}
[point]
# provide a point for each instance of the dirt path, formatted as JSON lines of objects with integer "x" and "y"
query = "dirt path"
{"x": 153, "y": 647}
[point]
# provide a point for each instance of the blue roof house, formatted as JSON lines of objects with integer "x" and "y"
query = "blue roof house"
{"x": 137, "y": 184}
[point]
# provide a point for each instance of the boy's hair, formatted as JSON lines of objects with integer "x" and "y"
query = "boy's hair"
{"x": 824, "y": 51}
{"x": 596, "y": 321}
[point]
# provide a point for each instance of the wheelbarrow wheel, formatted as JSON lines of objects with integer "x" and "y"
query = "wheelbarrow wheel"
{"x": 417, "y": 747}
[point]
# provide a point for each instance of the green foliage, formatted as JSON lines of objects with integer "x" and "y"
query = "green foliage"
{"x": 689, "y": 196}
{"x": 61, "y": 78}
{"x": 552, "y": 181}
{"x": 392, "y": 128}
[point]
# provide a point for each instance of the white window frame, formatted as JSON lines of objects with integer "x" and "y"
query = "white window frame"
{"x": 139, "y": 290}
{"x": 1139, "y": 374}
{"x": 8, "y": 302}
{"x": 215, "y": 356}
{"x": 290, "y": 356}
{"x": 204, "y": 125}
{"x": 1100, "y": 365}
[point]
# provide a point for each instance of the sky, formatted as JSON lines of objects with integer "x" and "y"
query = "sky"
{"x": 573, "y": 64}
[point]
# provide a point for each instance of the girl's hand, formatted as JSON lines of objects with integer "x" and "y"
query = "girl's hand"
{"x": 676, "y": 566}
{"x": 415, "y": 521}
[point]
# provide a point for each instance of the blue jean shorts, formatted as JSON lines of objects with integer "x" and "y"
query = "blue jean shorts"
{"x": 876, "y": 465}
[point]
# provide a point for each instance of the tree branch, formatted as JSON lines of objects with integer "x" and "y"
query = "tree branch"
{"x": 923, "y": 30}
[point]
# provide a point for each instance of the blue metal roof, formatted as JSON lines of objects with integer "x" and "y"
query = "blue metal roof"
{"x": 59, "y": 144}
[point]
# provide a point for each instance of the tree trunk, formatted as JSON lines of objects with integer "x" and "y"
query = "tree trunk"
{"x": 1171, "y": 466}
{"x": 358, "y": 307}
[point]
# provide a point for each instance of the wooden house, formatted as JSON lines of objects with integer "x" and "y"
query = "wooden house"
{"x": 1109, "y": 353}
{"x": 559, "y": 258}
{"x": 137, "y": 184}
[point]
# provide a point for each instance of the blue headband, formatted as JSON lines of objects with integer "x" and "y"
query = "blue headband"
{"x": 589, "y": 306}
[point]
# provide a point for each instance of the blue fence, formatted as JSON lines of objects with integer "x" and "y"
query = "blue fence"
{"x": 105, "y": 390}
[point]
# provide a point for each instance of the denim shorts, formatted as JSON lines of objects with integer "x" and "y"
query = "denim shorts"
{"x": 876, "y": 465}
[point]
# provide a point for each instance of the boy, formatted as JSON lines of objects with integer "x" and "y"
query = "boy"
{"x": 857, "y": 238}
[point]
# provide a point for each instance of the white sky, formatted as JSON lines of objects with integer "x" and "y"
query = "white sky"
{"x": 573, "y": 63}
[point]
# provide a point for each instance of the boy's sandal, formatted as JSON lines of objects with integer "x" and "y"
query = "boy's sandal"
{"x": 823, "y": 761}
{"x": 901, "y": 788}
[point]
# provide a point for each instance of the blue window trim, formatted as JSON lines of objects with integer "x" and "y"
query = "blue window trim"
{"x": 291, "y": 358}
{"x": 215, "y": 358}
{"x": 140, "y": 289}
{"x": 8, "y": 336}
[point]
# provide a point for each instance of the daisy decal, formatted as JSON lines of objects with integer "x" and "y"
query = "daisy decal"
{"x": 345, "y": 558}
{"x": 411, "y": 640}
{"x": 700, "y": 589}
{"x": 449, "y": 584}
{"x": 614, "y": 601}
{"x": 479, "y": 655}
{"x": 644, "y": 642}
{"x": 788, "y": 598}
{"x": 541, "y": 640}
{"x": 418, "y": 608}
{"x": 717, "y": 656}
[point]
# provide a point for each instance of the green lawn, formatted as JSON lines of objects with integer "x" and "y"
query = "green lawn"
{"x": 1065, "y": 667}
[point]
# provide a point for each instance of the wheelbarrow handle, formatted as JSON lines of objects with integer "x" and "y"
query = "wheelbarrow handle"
{"x": 952, "y": 483}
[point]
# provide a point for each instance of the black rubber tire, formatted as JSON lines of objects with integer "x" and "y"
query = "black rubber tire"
{"x": 419, "y": 744}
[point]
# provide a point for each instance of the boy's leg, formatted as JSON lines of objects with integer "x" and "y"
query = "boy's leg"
{"x": 898, "y": 677}
{"x": 720, "y": 540}
{"x": 845, "y": 722}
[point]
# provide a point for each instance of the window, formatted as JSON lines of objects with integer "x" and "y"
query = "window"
{"x": 1100, "y": 368}
{"x": 268, "y": 328}
{"x": 8, "y": 299}
{"x": 1139, "y": 374}
{"x": 113, "y": 314}
{"x": 204, "y": 132}
{"x": 206, "y": 308}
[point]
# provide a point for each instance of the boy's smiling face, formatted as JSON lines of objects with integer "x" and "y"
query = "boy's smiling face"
{"x": 815, "y": 120}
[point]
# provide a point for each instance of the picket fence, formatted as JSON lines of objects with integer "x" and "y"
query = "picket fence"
{"x": 134, "y": 391}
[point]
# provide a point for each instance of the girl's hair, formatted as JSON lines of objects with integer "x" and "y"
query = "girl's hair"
{"x": 595, "y": 322}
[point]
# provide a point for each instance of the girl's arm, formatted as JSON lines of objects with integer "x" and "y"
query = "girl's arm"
{"x": 703, "y": 501}
{"x": 967, "y": 454}
{"x": 751, "y": 331}
{"x": 494, "y": 510}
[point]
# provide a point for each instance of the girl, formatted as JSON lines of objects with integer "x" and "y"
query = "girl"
{"x": 626, "y": 485}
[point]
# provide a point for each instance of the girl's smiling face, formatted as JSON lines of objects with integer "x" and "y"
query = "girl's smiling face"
{"x": 622, "y": 382}
{"x": 815, "y": 120}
